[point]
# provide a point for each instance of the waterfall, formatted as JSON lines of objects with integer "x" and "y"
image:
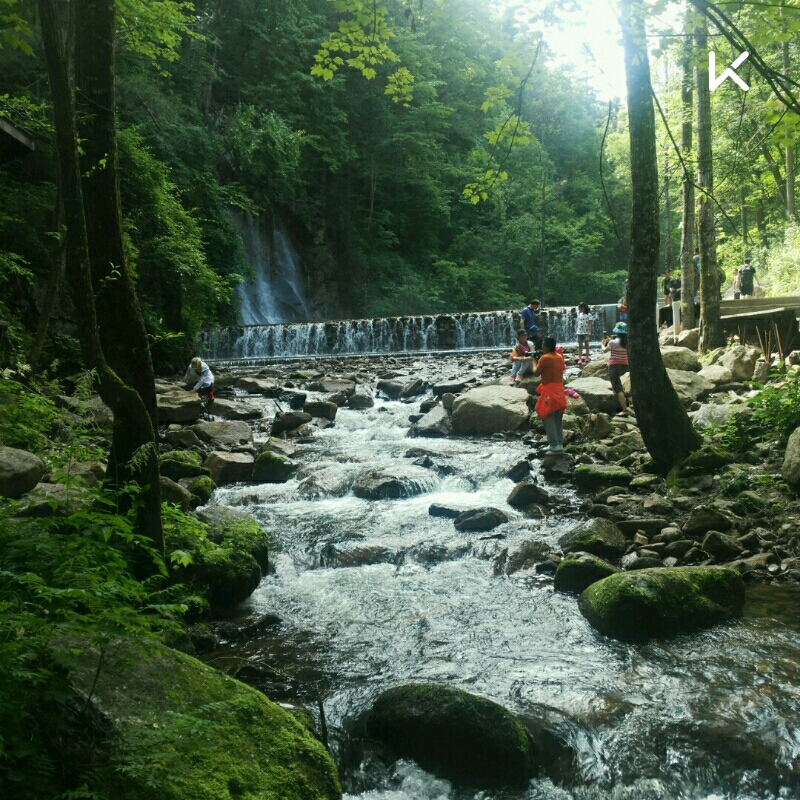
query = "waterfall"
{"x": 480, "y": 330}
{"x": 275, "y": 292}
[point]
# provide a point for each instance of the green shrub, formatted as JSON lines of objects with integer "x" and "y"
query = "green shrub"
{"x": 777, "y": 407}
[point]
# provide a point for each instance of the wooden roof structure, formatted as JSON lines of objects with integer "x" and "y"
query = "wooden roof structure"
{"x": 13, "y": 141}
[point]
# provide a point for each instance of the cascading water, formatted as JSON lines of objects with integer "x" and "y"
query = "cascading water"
{"x": 275, "y": 293}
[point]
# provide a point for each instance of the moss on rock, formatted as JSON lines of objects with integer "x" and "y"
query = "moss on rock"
{"x": 181, "y": 464}
{"x": 577, "y": 571}
{"x": 201, "y": 488}
{"x": 272, "y": 467}
{"x": 592, "y": 476}
{"x": 597, "y": 536}
{"x": 452, "y": 732}
{"x": 653, "y": 603}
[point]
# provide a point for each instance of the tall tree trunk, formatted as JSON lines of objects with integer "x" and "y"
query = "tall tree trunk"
{"x": 743, "y": 206}
{"x": 789, "y": 151}
{"x": 123, "y": 335}
{"x": 760, "y": 226}
{"x": 666, "y": 429}
{"x": 688, "y": 272}
{"x": 776, "y": 172}
{"x": 711, "y": 334}
{"x": 129, "y": 411}
{"x": 667, "y": 221}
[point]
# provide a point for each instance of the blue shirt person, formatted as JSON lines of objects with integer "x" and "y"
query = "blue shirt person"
{"x": 528, "y": 319}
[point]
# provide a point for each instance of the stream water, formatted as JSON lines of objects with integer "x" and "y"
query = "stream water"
{"x": 376, "y": 593}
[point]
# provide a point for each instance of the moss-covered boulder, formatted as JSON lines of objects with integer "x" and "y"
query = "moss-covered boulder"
{"x": 185, "y": 731}
{"x": 577, "y": 571}
{"x": 453, "y": 733}
{"x": 708, "y": 459}
{"x": 273, "y": 468}
{"x": 181, "y": 464}
{"x": 237, "y": 528}
{"x": 593, "y": 476}
{"x": 200, "y": 488}
{"x": 597, "y": 536}
{"x": 653, "y": 603}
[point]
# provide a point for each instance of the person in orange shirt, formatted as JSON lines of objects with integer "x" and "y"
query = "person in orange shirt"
{"x": 552, "y": 401}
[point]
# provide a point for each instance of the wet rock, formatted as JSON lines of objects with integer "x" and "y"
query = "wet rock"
{"x": 678, "y": 548}
{"x": 518, "y": 471}
{"x": 791, "y": 460}
{"x": 679, "y": 358}
{"x": 436, "y": 423}
{"x": 642, "y": 559}
{"x": 653, "y": 603}
{"x": 760, "y": 562}
{"x": 412, "y": 388}
{"x": 228, "y": 468}
{"x": 235, "y": 409}
{"x": 480, "y": 519}
{"x": 359, "y": 401}
{"x": 88, "y": 473}
{"x": 289, "y": 421}
{"x": 741, "y": 361}
{"x": 651, "y": 526}
{"x": 597, "y": 393}
{"x": 451, "y": 732}
{"x": 577, "y": 571}
{"x": 322, "y": 409}
{"x": 557, "y": 465}
{"x": 597, "y": 536}
{"x": 180, "y": 407}
{"x": 340, "y": 398}
{"x": 279, "y": 446}
{"x": 183, "y": 438}
{"x": 296, "y": 400}
{"x": 525, "y": 494}
{"x": 237, "y": 529}
{"x": 200, "y": 488}
{"x": 426, "y": 405}
{"x": 181, "y": 464}
{"x": 596, "y": 368}
{"x": 272, "y": 467}
{"x": 591, "y": 476}
{"x": 391, "y": 389}
{"x": 202, "y": 637}
{"x": 721, "y": 546}
{"x": 328, "y": 483}
{"x": 706, "y": 518}
{"x": 393, "y": 482}
{"x": 447, "y": 402}
{"x": 333, "y": 557}
{"x": 264, "y": 386}
{"x": 224, "y": 434}
{"x": 448, "y": 512}
{"x": 600, "y": 426}
{"x": 453, "y": 386}
{"x": 526, "y": 556}
{"x": 644, "y": 482}
{"x": 490, "y": 409}
{"x": 708, "y": 459}
{"x": 175, "y": 494}
{"x": 333, "y": 385}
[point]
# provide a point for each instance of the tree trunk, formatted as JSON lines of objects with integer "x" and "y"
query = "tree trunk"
{"x": 130, "y": 414}
{"x": 688, "y": 272}
{"x": 711, "y": 334}
{"x": 123, "y": 335}
{"x": 665, "y": 427}
{"x": 776, "y": 172}
{"x": 789, "y": 149}
{"x": 760, "y": 226}
{"x": 667, "y": 221}
{"x": 743, "y": 206}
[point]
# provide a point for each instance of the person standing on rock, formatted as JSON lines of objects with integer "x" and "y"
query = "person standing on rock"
{"x": 529, "y": 320}
{"x": 521, "y": 357}
{"x": 552, "y": 402}
{"x": 746, "y": 279}
{"x": 618, "y": 362}
{"x": 200, "y": 374}
{"x": 583, "y": 330}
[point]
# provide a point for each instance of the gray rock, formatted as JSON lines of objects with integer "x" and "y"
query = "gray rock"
{"x": 391, "y": 389}
{"x": 181, "y": 407}
{"x": 741, "y": 361}
{"x": 791, "y": 461}
{"x": 650, "y": 525}
{"x": 180, "y": 464}
{"x": 288, "y": 422}
{"x": 689, "y": 338}
{"x": 761, "y": 371}
{"x": 54, "y": 499}
{"x": 333, "y": 386}
{"x": 721, "y": 546}
{"x": 592, "y": 476}
{"x": 280, "y": 446}
{"x": 518, "y": 471}
{"x": 596, "y": 368}
{"x": 447, "y": 402}
{"x": 175, "y": 494}
{"x": 712, "y": 414}
{"x": 235, "y": 409}
{"x": 480, "y": 519}
{"x": 412, "y": 388}
{"x": 556, "y": 465}
{"x": 679, "y": 548}
{"x": 360, "y": 401}
{"x": 435, "y": 423}
{"x": 490, "y": 409}
{"x": 448, "y": 512}
{"x": 224, "y": 434}
{"x": 577, "y": 571}
{"x": 296, "y": 400}
{"x": 184, "y": 438}
{"x": 327, "y": 483}
{"x": 453, "y": 386}
{"x": 717, "y": 374}
{"x": 228, "y": 468}
{"x": 597, "y": 393}
{"x": 680, "y": 358}
{"x": 526, "y": 493}
{"x": 705, "y": 518}
{"x": 600, "y": 426}
{"x": 598, "y": 536}
{"x": 690, "y": 386}
{"x": 527, "y": 555}
{"x": 393, "y": 482}
{"x": 265, "y": 386}
{"x": 272, "y": 467}
{"x": 322, "y": 409}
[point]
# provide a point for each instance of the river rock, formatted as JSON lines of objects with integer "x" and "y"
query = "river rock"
{"x": 518, "y": 471}
{"x": 526, "y": 494}
{"x": 680, "y": 358}
{"x": 717, "y": 374}
{"x": 54, "y": 499}
{"x": 412, "y": 388}
{"x": 435, "y": 423}
{"x": 235, "y": 409}
{"x": 333, "y": 386}
{"x": 272, "y": 467}
{"x": 448, "y": 731}
{"x": 557, "y": 465}
{"x": 526, "y": 556}
{"x": 279, "y": 446}
{"x": 593, "y": 476}
{"x": 708, "y": 459}
{"x": 325, "y": 483}
{"x": 600, "y": 426}
{"x": 490, "y": 409}
{"x": 713, "y": 414}
{"x": 597, "y": 393}
{"x": 791, "y": 461}
{"x": 90, "y": 473}
{"x": 705, "y": 518}
{"x": 224, "y": 434}
{"x": 721, "y": 546}
{"x": 265, "y": 386}
{"x": 184, "y": 438}
{"x": 288, "y": 421}
{"x": 200, "y": 488}
{"x": 296, "y": 400}
{"x": 596, "y": 368}
{"x": 181, "y": 464}
{"x": 577, "y": 571}
{"x": 651, "y": 526}
{"x": 480, "y": 519}
{"x": 597, "y": 536}
{"x": 236, "y": 528}
{"x": 359, "y": 401}
{"x": 322, "y": 409}
{"x": 448, "y": 512}
{"x": 228, "y": 468}
{"x": 454, "y": 386}
{"x": 741, "y": 361}
{"x": 447, "y": 402}
{"x": 175, "y": 494}
{"x": 653, "y": 603}
{"x": 690, "y": 386}
{"x": 180, "y": 407}
{"x": 390, "y": 388}
{"x": 689, "y": 338}
{"x": 393, "y": 482}
{"x": 332, "y": 557}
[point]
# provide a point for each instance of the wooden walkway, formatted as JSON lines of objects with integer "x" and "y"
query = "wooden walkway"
{"x": 756, "y": 317}
{"x": 13, "y": 141}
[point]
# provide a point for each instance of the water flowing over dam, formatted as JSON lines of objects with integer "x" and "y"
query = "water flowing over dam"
{"x": 480, "y": 330}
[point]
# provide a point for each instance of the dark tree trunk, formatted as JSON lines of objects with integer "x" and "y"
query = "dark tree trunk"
{"x": 130, "y": 414}
{"x": 665, "y": 427}
{"x": 711, "y": 334}
{"x": 122, "y": 330}
{"x": 688, "y": 272}
{"x": 776, "y": 172}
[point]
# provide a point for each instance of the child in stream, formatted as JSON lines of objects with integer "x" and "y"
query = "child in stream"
{"x": 521, "y": 357}
{"x": 552, "y": 401}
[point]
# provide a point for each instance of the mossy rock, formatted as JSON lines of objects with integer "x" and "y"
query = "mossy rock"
{"x": 453, "y": 733}
{"x": 272, "y": 467}
{"x": 654, "y": 603}
{"x": 592, "y": 476}
{"x": 577, "y": 571}
{"x": 708, "y": 459}
{"x": 201, "y": 488}
{"x": 181, "y": 464}
{"x": 597, "y": 536}
{"x": 248, "y": 748}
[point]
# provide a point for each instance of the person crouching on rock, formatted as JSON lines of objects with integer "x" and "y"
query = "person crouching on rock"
{"x": 552, "y": 401}
{"x": 618, "y": 362}
{"x": 200, "y": 374}
{"x": 521, "y": 357}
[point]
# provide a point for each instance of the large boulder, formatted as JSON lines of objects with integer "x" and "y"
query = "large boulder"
{"x": 597, "y": 536}
{"x": 224, "y": 434}
{"x": 183, "y": 438}
{"x": 236, "y": 529}
{"x": 323, "y": 409}
{"x": 394, "y": 482}
{"x": 679, "y": 358}
{"x": 527, "y": 493}
{"x": 479, "y": 519}
{"x": 359, "y": 401}
{"x": 449, "y": 731}
{"x": 178, "y": 406}
{"x": 180, "y": 464}
{"x": 577, "y": 571}
{"x": 20, "y": 471}
{"x": 235, "y": 409}
{"x": 597, "y": 393}
{"x": 333, "y": 386}
{"x": 689, "y": 338}
{"x": 706, "y": 518}
{"x": 643, "y": 604}
{"x": 390, "y": 388}
{"x": 434, "y": 424}
{"x": 228, "y": 468}
{"x": 593, "y": 476}
{"x": 283, "y": 423}
{"x": 597, "y": 368}
{"x": 272, "y": 467}
{"x": 265, "y": 386}
{"x": 690, "y": 386}
{"x": 791, "y": 461}
{"x": 175, "y": 494}
{"x": 717, "y": 374}
{"x": 453, "y": 386}
{"x": 741, "y": 361}
{"x": 490, "y": 409}
{"x": 713, "y": 414}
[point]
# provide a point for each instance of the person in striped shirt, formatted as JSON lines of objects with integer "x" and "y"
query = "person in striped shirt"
{"x": 618, "y": 362}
